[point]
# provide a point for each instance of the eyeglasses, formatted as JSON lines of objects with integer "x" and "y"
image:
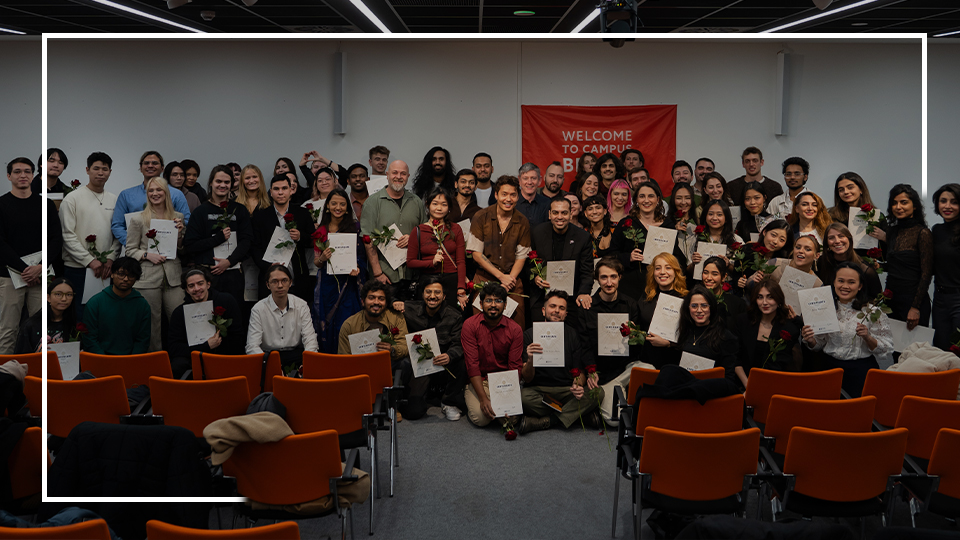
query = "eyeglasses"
{"x": 124, "y": 275}
{"x": 497, "y": 301}
{"x": 61, "y": 295}
{"x": 700, "y": 307}
{"x": 275, "y": 282}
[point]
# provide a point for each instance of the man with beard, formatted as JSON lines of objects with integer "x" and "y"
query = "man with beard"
{"x": 392, "y": 204}
{"x": 532, "y": 204}
{"x": 553, "y": 181}
{"x": 379, "y": 157}
{"x": 607, "y": 300}
{"x": 281, "y": 322}
{"x": 436, "y": 170}
{"x": 135, "y": 199}
{"x": 466, "y": 206}
{"x": 609, "y": 168}
{"x": 483, "y": 166}
{"x": 704, "y": 165}
{"x": 556, "y": 240}
{"x": 796, "y": 170}
{"x": 357, "y": 180}
{"x": 631, "y": 159}
{"x": 752, "y": 161}
{"x": 196, "y": 284}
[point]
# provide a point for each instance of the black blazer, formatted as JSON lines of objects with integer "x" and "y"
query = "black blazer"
{"x": 576, "y": 247}
{"x": 749, "y": 357}
{"x": 265, "y": 220}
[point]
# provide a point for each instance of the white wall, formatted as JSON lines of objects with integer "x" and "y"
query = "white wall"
{"x": 851, "y": 106}
{"x": 943, "y": 113}
{"x": 21, "y": 103}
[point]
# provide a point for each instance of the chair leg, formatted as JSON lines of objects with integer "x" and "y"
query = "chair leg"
{"x": 638, "y": 509}
{"x": 343, "y": 525}
{"x": 616, "y": 500}
{"x": 350, "y": 510}
{"x": 393, "y": 448}
{"x": 913, "y": 512}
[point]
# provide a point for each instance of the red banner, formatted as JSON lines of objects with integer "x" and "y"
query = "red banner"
{"x": 559, "y": 133}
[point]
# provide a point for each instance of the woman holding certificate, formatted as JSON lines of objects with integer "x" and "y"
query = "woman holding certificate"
{"x": 714, "y": 279}
{"x": 809, "y": 216}
{"x": 703, "y": 334}
{"x": 776, "y": 241}
{"x": 860, "y": 341}
{"x": 687, "y": 216}
{"x": 838, "y": 249}
{"x": 664, "y": 277}
{"x": 437, "y": 247}
{"x": 717, "y": 236}
{"x": 336, "y": 296}
{"x": 909, "y": 257}
{"x": 153, "y": 238}
{"x": 769, "y": 337}
{"x": 806, "y": 251}
{"x": 849, "y": 190}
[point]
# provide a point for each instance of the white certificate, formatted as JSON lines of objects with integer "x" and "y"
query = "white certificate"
{"x": 395, "y": 256}
{"x": 126, "y": 219}
{"x": 754, "y": 237}
{"x": 505, "y": 393}
{"x": 610, "y": 342}
{"x": 818, "y": 310}
{"x": 376, "y": 183}
{"x": 251, "y": 274}
{"x": 707, "y": 250}
{"x": 858, "y": 228}
{"x": 54, "y": 196}
{"x": 280, "y": 255}
{"x": 68, "y": 354}
{"x": 226, "y": 249}
{"x": 364, "y": 342}
{"x": 560, "y": 275}
{"x": 197, "y": 318}
{"x": 508, "y": 310}
{"x": 424, "y": 367}
{"x": 658, "y": 240}
{"x": 903, "y": 338}
{"x": 735, "y": 216}
{"x": 344, "y": 257}
{"x": 166, "y": 235}
{"x": 793, "y": 281}
{"x": 692, "y": 362}
{"x": 92, "y": 285}
{"x": 32, "y": 259}
{"x": 548, "y": 335}
{"x": 666, "y": 318}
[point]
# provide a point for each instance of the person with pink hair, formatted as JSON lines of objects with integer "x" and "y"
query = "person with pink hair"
{"x": 619, "y": 199}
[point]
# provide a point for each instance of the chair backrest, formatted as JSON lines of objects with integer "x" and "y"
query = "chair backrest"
{"x": 640, "y": 376}
{"x": 194, "y": 404}
{"x": 337, "y": 366}
{"x": 136, "y": 369}
{"x": 285, "y": 530}
{"x": 33, "y": 362}
{"x": 95, "y": 529}
{"x": 844, "y": 467}
{"x": 924, "y": 417}
{"x": 322, "y": 404}
{"x": 26, "y": 464}
{"x": 33, "y": 390}
{"x": 715, "y": 416}
{"x": 264, "y": 472}
{"x": 843, "y": 415}
{"x": 221, "y": 366}
{"x": 944, "y": 462}
{"x": 891, "y": 386}
{"x": 97, "y": 400}
{"x": 764, "y": 383}
{"x": 698, "y": 466}
{"x": 54, "y": 372}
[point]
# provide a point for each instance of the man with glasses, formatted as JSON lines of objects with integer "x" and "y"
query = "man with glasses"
{"x": 796, "y": 170}
{"x": 135, "y": 199}
{"x": 118, "y": 317}
{"x": 281, "y": 322}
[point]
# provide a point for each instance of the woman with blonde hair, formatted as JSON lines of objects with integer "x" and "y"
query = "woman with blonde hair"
{"x": 253, "y": 190}
{"x": 160, "y": 281}
{"x": 665, "y": 276}
{"x": 809, "y": 216}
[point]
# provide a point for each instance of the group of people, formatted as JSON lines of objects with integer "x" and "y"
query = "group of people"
{"x": 473, "y": 257}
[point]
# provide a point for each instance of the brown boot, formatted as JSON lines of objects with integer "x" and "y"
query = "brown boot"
{"x": 532, "y": 423}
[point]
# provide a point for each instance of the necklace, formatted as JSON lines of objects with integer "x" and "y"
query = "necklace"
{"x": 100, "y": 198}
{"x": 697, "y": 338}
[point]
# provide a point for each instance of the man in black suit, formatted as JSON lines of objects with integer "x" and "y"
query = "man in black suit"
{"x": 556, "y": 240}
{"x": 264, "y": 223}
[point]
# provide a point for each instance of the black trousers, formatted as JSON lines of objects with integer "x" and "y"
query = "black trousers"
{"x": 854, "y": 372}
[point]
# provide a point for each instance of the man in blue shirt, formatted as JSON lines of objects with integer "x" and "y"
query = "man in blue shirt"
{"x": 134, "y": 199}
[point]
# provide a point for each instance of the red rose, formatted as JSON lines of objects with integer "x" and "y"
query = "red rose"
{"x": 726, "y": 287}
{"x": 700, "y": 229}
{"x": 874, "y": 253}
{"x": 761, "y": 249}
{"x": 75, "y": 183}
{"x": 152, "y": 233}
{"x": 91, "y": 238}
{"x": 436, "y": 222}
{"x": 628, "y": 222}
{"x": 469, "y": 285}
{"x": 82, "y": 328}
{"x": 624, "y": 330}
{"x": 679, "y": 214}
{"x": 736, "y": 246}
{"x": 591, "y": 369}
{"x": 511, "y": 435}
{"x": 574, "y": 373}
{"x": 395, "y": 331}
{"x": 866, "y": 208}
{"x": 288, "y": 217}
{"x": 418, "y": 339}
{"x": 888, "y": 294}
{"x": 533, "y": 254}
{"x": 219, "y": 311}
{"x": 309, "y": 206}
{"x": 955, "y": 349}
{"x": 366, "y": 239}
{"x": 784, "y": 335}
{"x": 224, "y": 204}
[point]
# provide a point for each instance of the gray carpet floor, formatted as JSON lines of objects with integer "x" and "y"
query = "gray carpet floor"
{"x": 459, "y": 481}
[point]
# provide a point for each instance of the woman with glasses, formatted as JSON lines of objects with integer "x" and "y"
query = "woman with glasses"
{"x": 702, "y": 333}
{"x": 175, "y": 176}
{"x": 61, "y": 320}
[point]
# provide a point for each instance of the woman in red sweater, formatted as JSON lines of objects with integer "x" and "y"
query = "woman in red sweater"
{"x": 425, "y": 255}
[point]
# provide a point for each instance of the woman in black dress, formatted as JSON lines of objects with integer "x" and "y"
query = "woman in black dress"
{"x": 946, "y": 253}
{"x": 909, "y": 257}
{"x": 596, "y": 221}
{"x": 703, "y": 334}
{"x": 714, "y": 280}
{"x": 767, "y": 320}
{"x": 753, "y": 216}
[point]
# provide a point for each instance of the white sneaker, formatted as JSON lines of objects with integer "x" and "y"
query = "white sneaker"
{"x": 452, "y": 413}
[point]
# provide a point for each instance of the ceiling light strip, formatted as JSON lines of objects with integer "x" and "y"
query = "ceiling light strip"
{"x": 2, "y": 29}
{"x": 948, "y": 34}
{"x": 369, "y": 14}
{"x": 819, "y": 16}
{"x": 145, "y": 15}
{"x": 593, "y": 15}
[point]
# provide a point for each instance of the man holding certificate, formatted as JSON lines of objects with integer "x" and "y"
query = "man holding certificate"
{"x": 207, "y": 306}
{"x": 376, "y": 315}
{"x": 552, "y": 396}
{"x": 604, "y": 341}
{"x": 291, "y": 224}
{"x": 491, "y": 343}
{"x": 567, "y": 253}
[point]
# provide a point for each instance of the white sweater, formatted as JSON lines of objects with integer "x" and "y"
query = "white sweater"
{"x": 82, "y": 214}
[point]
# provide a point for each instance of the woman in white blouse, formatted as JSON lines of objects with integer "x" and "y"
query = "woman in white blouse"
{"x": 859, "y": 342}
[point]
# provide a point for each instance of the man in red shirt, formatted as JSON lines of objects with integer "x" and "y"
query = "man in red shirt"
{"x": 491, "y": 343}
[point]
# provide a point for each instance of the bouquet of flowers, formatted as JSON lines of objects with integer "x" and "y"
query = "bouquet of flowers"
{"x": 223, "y": 220}
{"x": 629, "y": 330}
{"x": 867, "y": 213}
{"x": 873, "y": 259}
{"x": 100, "y": 256}
{"x": 777, "y": 345}
{"x": 390, "y": 338}
{"x": 425, "y": 351}
{"x": 539, "y": 268}
{"x": 633, "y": 233}
{"x": 219, "y": 322}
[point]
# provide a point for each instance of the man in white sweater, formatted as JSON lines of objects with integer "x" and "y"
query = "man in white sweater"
{"x": 85, "y": 216}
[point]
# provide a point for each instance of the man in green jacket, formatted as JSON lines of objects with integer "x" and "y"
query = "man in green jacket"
{"x": 117, "y": 318}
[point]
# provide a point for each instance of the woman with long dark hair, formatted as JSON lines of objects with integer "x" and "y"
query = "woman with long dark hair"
{"x": 776, "y": 241}
{"x": 336, "y": 297}
{"x": 714, "y": 280}
{"x": 703, "y": 333}
{"x": 715, "y": 189}
{"x": 425, "y": 254}
{"x": 686, "y": 215}
{"x": 946, "y": 253}
{"x": 838, "y": 248}
{"x": 753, "y": 216}
{"x": 584, "y": 168}
{"x": 718, "y": 229}
{"x": 767, "y": 321}
{"x": 909, "y": 257}
{"x": 61, "y": 320}
{"x": 596, "y": 221}
{"x": 174, "y": 174}
{"x": 850, "y": 189}
{"x": 859, "y": 342}
{"x": 806, "y": 252}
